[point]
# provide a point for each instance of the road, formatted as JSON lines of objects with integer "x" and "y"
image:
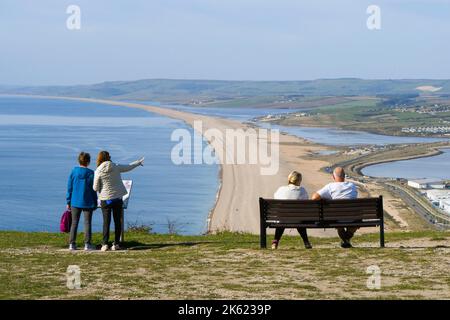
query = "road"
{"x": 414, "y": 204}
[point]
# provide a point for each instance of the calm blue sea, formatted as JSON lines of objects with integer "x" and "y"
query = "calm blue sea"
{"x": 39, "y": 143}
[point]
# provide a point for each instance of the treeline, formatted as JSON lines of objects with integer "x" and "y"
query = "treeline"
{"x": 388, "y": 100}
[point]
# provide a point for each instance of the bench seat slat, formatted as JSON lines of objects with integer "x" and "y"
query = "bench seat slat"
{"x": 291, "y": 220}
{"x": 326, "y": 225}
{"x": 292, "y": 211}
{"x": 350, "y": 209}
{"x": 355, "y": 214}
{"x": 293, "y": 208}
{"x": 350, "y": 205}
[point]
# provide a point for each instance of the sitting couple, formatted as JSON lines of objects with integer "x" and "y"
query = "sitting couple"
{"x": 339, "y": 189}
{"x": 82, "y": 189}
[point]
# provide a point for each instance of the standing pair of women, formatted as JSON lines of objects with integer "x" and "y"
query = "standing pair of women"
{"x": 83, "y": 186}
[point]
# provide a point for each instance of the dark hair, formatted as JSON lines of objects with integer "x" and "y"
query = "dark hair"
{"x": 102, "y": 157}
{"x": 84, "y": 159}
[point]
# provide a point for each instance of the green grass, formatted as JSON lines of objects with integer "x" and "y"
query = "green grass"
{"x": 225, "y": 266}
{"x": 367, "y": 115}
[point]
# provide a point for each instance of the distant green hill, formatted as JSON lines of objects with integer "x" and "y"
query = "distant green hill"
{"x": 183, "y": 91}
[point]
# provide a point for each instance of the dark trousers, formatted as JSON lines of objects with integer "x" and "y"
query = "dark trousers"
{"x": 116, "y": 210}
{"x": 76, "y": 213}
{"x": 346, "y": 233}
{"x": 279, "y": 233}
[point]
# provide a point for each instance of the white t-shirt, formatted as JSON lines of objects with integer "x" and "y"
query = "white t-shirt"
{"x": 339, "y": 190}
{"x": 291, "y": 192}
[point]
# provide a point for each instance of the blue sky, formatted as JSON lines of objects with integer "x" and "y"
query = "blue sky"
{"x": 221, "y": 39}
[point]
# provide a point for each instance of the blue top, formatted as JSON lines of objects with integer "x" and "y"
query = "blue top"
{"x": 80, "y": 192}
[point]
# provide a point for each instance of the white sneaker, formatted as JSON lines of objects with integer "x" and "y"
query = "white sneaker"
{"x": 105, "y": 247}
{"x": 115, "y": 247}
{"x": 89, "y": 247}
{"x": 72, "y": 247}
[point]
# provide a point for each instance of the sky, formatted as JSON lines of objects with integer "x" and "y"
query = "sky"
{"x": 221, "y": 39}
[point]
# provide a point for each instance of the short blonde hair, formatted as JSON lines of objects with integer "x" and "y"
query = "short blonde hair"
{"x": 295, "y": 178}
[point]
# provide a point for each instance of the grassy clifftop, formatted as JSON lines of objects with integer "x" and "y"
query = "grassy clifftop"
{"x": 229, "y": 266}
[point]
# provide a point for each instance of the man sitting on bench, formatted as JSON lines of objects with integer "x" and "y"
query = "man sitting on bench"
{"x": 340, "y": 189}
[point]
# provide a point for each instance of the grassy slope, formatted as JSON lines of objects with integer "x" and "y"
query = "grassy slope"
{"x": 167, "y": 90}
{"x": 33, "y": 265}
{"x": 365, "y": 115}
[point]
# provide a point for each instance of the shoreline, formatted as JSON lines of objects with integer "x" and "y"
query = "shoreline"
{"x": 380, "y": 133}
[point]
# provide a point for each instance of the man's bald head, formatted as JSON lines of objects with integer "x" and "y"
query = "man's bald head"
{"x": 339, "y": 174}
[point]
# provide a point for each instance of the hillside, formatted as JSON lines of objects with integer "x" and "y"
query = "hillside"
{"x": 226, "y": 266}
{"x": 220, "y": 92}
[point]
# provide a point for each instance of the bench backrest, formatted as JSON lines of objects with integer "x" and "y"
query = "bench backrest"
{"x": 291, "y": 212}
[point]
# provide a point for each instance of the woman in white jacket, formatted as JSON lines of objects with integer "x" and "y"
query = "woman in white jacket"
{"x": 108, "y": 183}
{"x": 292, "y": 191}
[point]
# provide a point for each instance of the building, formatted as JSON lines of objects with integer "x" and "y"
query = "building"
{"x": 445, "y": 205}
{"x": 437, "y": 195}
{"x": 426, "y": 184}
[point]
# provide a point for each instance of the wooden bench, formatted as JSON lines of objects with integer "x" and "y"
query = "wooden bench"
{"x": 321, "y": 214}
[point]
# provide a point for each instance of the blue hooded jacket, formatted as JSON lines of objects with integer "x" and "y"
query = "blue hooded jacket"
{"x": 80, "y": 192}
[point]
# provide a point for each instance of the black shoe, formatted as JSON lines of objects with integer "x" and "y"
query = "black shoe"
{"x": 308, "y": 245}
{"x": 346, "y": 245}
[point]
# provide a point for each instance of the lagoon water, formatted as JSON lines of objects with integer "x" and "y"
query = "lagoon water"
{"x": 39, "y": 143}
{"x": 238, "y": 113}
{"x": 437, "y": 167}
{"x": 338, "y": 137}
{"x": 433, "y": 167}
{"x": 326, "y": 136}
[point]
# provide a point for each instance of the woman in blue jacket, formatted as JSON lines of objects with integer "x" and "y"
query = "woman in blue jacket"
{"x": 81, "y": 197}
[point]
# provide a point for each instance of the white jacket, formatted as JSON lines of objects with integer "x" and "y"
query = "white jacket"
{"x": 108, "y": 181}
{"x": 291, "y": 192}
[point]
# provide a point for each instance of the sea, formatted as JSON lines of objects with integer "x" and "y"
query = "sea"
{"x": 40, "y": 140}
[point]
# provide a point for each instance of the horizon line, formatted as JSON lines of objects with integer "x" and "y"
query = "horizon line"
{"x": 222, "y": 80}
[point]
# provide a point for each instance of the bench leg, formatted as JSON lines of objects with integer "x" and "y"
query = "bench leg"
{"x": 382, "y": 235}
{"x": 263, "y": 237}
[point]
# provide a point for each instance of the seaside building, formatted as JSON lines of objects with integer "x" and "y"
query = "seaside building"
{"x": 427, "y": 184}
{"x": 445, "y": 205}
{"x": 437, "y": 195}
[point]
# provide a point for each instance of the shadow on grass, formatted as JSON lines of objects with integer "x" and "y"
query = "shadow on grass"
{"x": 422, "y": 247}
{"x": 136, "y": 245}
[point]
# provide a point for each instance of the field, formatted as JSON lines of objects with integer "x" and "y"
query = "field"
{"x": 226, "y": 266}
{"x": 369, "y": 115}
{"x": 233, "y": 93}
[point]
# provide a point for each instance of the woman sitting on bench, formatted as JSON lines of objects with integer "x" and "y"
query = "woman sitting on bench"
{"x": 292, "y": 191}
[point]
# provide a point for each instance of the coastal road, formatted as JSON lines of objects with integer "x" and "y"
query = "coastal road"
{"x": 410, "y": 201}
